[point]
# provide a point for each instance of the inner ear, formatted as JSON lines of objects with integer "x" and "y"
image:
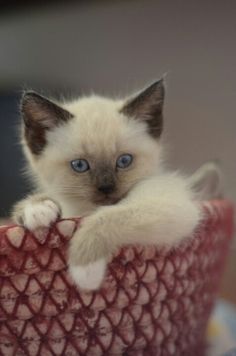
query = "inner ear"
{"x": 39, "y": 115}
{"x": 38, "y": 110}
{"x": 147, "y": 106}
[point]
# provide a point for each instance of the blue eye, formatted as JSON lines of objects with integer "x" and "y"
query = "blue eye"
{"x": 80, "y": 165}
{"x": 124, "y": 161}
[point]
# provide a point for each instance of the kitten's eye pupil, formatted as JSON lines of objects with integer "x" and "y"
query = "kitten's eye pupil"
{"x": 80, "y": 165}
{"x": 124, "y": 161}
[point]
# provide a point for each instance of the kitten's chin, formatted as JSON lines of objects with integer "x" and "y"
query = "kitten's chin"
{"x": 106, "y": 201}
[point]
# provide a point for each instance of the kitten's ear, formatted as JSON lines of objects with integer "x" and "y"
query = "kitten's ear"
{"x": 39, "y": 115}
{"x": 37, "y": 110}
{"x": 208, "y": 181}
{"x": 148, "y": 106}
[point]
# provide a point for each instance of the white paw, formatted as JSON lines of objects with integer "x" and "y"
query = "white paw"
{"x": 40, "y": 214}
{"x": 89, "y": 276}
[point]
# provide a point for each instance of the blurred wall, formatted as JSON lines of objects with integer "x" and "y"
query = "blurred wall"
{"x": 114, "y": 47}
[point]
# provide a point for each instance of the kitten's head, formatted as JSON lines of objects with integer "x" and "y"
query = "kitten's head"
{"x": 93, "y": 149}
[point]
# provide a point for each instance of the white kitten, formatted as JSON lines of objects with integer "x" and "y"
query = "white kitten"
{"x": 101, "y": 159}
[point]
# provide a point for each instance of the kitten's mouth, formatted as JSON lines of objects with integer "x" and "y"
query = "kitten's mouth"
{"x": 106, "y": 200}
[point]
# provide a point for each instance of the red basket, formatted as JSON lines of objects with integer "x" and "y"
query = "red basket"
{"x": 152, "y": 302}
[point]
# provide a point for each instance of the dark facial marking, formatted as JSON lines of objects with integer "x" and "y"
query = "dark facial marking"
{"x": 148, "y": 106}
{"x": 106, "y": 188}
{"x": 39, "y": 115}
{"x": 104, "y": 179}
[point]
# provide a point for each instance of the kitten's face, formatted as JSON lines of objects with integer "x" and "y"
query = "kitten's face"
{"x": 93, "y": 149}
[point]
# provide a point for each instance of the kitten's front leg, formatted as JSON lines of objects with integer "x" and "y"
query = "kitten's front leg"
{"x": 88, "y": 253}
{"x": 159, "y": 211}
{"x": 36, "y": 211}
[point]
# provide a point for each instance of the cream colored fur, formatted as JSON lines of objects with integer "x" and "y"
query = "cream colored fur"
{"x": 155, "y": 207}
{"x": 97, "y": 133}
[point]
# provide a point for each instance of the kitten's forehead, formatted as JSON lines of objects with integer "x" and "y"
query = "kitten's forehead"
{"x": 98, "y": 127}
{"x": 99, "y": 131}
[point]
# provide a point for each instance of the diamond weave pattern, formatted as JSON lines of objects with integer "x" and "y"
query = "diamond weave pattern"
{"x": 154, "y": 301}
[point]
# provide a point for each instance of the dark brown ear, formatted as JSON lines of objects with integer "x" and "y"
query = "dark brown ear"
{"x": 148, "y": 106}
{"x": 39, "y": 115}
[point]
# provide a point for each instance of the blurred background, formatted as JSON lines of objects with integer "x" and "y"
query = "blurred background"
{"x": 115, "y": 47}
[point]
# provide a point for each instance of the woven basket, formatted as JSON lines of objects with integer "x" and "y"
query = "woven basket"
{"x": 153, "y": 301}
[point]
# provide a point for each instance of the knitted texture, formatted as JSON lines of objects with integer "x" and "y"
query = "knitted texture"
{"x": 154, "y": 301}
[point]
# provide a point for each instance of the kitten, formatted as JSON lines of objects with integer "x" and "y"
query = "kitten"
{"x": 102, "y": 159}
